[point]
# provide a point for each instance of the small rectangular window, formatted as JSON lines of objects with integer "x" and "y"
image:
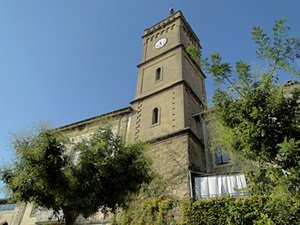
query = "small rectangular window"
{"x": 7, "y": 207}
{"x": 221, "y": 156}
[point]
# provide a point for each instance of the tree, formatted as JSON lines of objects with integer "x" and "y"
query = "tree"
{"x": 105, "y": 174}
{"x": 258, "y": 120}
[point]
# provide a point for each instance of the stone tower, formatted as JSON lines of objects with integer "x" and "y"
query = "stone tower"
{"x": 168, "y": 112}
{"x": 170, "y": 90}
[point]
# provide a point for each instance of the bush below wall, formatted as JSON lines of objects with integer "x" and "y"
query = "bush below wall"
{"x": 257, "y": 210}
{"x": 253, "y": 210}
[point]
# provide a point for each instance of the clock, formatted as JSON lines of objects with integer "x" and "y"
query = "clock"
{"x": 160, "y": 43}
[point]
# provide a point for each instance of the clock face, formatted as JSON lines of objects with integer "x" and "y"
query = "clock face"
{"x": 160, "y": 43}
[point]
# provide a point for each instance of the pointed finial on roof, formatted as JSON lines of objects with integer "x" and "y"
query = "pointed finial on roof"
{"x": 171, "y": 10}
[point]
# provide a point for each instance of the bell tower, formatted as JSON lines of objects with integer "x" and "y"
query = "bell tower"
{"x": 170, "y": 90}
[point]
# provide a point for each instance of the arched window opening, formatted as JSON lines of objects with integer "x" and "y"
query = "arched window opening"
{"x": 158, "y": 74}
{"x": 155, "y": 116}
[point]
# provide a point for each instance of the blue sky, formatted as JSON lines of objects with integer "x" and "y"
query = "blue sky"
{"x": 68, "y": 60}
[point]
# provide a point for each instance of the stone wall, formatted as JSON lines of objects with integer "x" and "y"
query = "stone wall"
{"x": 12, "y": 217}
{"x": 170, "y": 160}
{"x": 170, "y": 73}
{"x": 170, "y": 105}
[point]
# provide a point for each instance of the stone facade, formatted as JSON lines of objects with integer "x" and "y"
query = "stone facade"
{"x": 11, "y": 214}
{"x": 167, "y": 112}
{"x": 177, "y": 94}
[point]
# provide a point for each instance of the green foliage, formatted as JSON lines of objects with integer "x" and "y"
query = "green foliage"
{"x": 117, "y": 169}
{"x": 258, "y": 119}
{"x": 274, "y": 209}
{"x": 211, "y": 211}
{"x": 152, "y": 206}
{"x": 280, "y": 51}
{"x": 105, "y": 174}
{"x": 195, "y": 54}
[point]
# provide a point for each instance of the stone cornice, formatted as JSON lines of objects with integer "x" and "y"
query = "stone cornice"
{"x": 167, "y": 21}
{"x": 181, "y": 82}
{"x": 184, "y": 131}
{"x": 164, "y": 53}
{"x": 171, "y": 49}
{"x": 162, "y": 23}
{"x": 92, "y": 119}
{"x": 158, "y": 92}
{"x": 169, "y": 87}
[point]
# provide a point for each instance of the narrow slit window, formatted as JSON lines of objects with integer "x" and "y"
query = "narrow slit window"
{"x": 155, "y": 116}
{"x": 158, "y": 74}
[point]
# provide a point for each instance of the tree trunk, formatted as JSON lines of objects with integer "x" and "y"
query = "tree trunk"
{"x": 70, "y": 217}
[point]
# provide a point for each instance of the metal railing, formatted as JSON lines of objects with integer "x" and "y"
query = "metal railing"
{"x": 232, "y": 195}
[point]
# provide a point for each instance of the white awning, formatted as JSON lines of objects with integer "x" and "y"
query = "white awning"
{"x": 220, "y": 185}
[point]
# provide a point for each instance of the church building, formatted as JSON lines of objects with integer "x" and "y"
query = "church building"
{"x": 169, "y": 111}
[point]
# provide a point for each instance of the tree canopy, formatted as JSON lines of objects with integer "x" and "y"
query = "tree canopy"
{"x": 257, "y": 117}
{"x": 103, "y": 176}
